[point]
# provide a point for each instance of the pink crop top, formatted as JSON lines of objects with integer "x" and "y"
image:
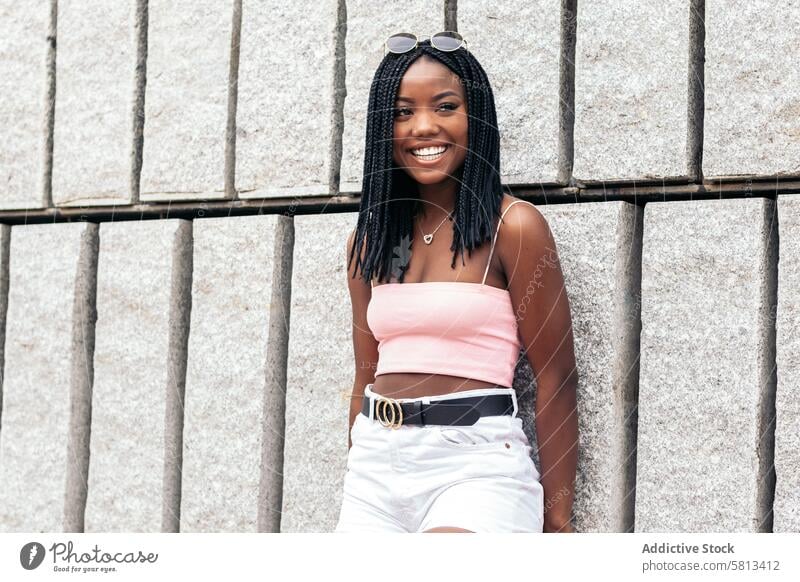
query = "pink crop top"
{"x": 468, "y": 330}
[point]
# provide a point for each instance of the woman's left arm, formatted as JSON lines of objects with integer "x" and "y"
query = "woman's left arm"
{"x": 530, "y": 260}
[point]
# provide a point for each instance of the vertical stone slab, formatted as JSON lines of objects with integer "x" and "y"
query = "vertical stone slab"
{"x": 95, "y": 71}
{"x": 186, "y": 105}
{"x": 23, "y": 88}
{"x": 787, "y": 401}
{"x": 285, "y": 107}
{"x": 320, "y": 375}
{"x": 752, "y": 102}
{"x": 132, "y": 354}
{"x": 630, "y": 90}
{"x": 706, "y": 367}
{"x": 227, "y": 410}
{"x": 34, "y": 464}
{"x": 5, "y": 255}
{"x": 522, "y": 69}
{"x": 368, "y": 26}
{"x": 599, "y": 245}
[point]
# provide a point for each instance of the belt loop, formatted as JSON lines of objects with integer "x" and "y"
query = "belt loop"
{"x": 416, "y": 409}
{"x": 514, "y": 400}
{"x": 371, "y": 403}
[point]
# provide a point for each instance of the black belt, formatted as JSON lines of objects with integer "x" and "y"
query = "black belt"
{"x": 451, "y": 411}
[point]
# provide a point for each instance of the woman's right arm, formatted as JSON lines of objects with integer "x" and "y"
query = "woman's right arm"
{"x": 365, "y": 346}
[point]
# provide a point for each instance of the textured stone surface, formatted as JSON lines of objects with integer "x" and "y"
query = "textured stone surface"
{"x": 752, "y": 96}
{"x": 95, "y": 68}
{"x": 36, "y": 382}
{"x": 126, "y": 467}
{"x": 598, "y": 245}
{"x": 704, "y": 350}
{"x": 225, "y": 399}
{"x": 320, "y": 375}
{"x": 186, "y": 106}
{"x": 23, "y": 85}
{"x": 368, "y": 26}
{"x": 787, "y": 400}
{"x": 630, "y": 89}
{"x": 285, "y": 103}
{"x": 525, "y": 87}
{"x": 705, "y": 342}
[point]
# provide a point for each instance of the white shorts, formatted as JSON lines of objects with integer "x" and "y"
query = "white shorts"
{"x": 478, "y": 477}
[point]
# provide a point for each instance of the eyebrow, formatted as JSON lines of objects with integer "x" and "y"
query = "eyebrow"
{"x": 435, "y": 97}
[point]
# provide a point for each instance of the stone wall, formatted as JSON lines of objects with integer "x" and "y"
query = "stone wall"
{"x": 174, "y": 374}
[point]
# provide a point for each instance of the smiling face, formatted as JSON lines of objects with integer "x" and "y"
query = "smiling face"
{"x": 430, "y": 123}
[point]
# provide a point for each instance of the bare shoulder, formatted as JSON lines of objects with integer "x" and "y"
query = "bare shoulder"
{"x": 524, "y": 237}
{"x": 522, "y": 216}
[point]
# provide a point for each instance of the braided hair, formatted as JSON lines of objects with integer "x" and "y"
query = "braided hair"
{"x": 390, "y": 197}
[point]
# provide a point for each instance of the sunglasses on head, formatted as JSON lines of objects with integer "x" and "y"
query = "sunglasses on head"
{"x": 402, "y": 42}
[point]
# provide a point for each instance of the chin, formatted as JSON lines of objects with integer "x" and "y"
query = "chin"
{"x": 430, "y": 177}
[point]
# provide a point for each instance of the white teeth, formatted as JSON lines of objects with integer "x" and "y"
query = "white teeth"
{"x": 429, "y": 153}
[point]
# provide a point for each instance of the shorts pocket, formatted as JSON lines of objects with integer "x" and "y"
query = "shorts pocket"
{"x": 525, "y": 446}
{"x": 356, "y": 438}
{"x": 489, "y": 432}
{"x": 358, "y": 425}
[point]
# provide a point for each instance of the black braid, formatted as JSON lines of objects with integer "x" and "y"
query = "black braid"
{"x": 390, "y": 198}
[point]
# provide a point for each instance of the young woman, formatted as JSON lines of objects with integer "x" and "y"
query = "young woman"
{"x": 436, "y": 443}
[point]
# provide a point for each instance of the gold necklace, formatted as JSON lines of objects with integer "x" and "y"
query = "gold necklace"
{"x": 428, "y": 238}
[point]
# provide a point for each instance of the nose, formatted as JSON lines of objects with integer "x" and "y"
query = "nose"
{"x": 424, "y": 122}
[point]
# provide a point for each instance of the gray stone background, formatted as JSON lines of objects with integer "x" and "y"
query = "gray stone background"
{"x": 192, "y": 373}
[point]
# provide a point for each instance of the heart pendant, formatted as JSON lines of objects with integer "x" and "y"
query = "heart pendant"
{"x": 427, "y": 238}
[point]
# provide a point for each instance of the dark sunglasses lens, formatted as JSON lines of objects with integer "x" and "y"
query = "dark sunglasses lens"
{"x": 401, "y": 43}
{"x": 446, "y": 41}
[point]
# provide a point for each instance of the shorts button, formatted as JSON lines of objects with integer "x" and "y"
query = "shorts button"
{"x": 508, "y": 446}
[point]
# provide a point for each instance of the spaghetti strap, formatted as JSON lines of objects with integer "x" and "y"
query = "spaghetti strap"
{"x": 494, "y": 240}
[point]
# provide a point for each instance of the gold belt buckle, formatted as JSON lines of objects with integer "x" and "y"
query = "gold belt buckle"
{"x": 382, "y": 406}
